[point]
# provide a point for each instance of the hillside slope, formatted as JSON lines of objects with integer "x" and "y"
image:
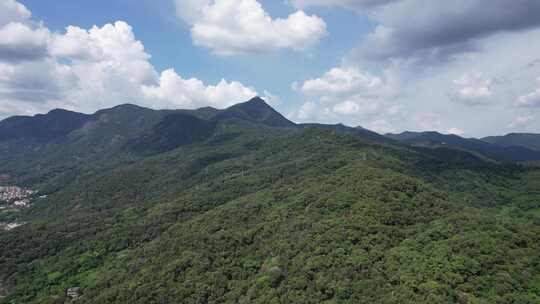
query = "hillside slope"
{"x": 253, "y": 213}
{"x": 527, "y": 140}
{"x": 503, "y": 153}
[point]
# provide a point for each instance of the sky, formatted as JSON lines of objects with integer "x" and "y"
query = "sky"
{"x": 465, "y": 67}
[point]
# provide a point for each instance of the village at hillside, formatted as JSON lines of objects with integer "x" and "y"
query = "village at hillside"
{"x": 16, "y": 196}
{"x": 12, "y": 199}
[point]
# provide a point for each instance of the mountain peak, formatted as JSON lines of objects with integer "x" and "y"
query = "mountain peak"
{"x": 60, "y": 111}
{"x": 257, "y": 100}
{"x": 255, "y": 103}
{"x": 125, "y": 107}
{"x": 255, "y": 110}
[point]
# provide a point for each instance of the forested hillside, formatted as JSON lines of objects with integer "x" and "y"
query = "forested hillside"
{"x": 243, "y": 206}
{"x": 527, "y": 140}
{"x": 490, "y": 148}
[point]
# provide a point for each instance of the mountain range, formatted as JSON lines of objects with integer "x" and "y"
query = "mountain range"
{"x": 162, "y": 130}
{"x": 509, "y": 148}
{"x": 241, "y": 205}
{"x": 527, "y": 140}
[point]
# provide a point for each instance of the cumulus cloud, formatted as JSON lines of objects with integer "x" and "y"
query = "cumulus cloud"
{"x": 342, "y": 80}
{"x": 357, "y": 106}
{"x": 90, "y": 69}
{"x": 438, "y": 60}
{"x": 35, "y": 82}
{"x": 448, "y": 64}
{"x": 191, "y": 10}
{"x": 191, "y": 93}
{"x": 86, "y": 69}
{"x": 346, "y": 94}
{"x": 20, "y": 42}
{"x": 305, "y": 112}
{"x": 229, "y": 27}
{"x": 13, "y": 11}
{"x": 105, "y": 55}
{"x": 20, "y": 38}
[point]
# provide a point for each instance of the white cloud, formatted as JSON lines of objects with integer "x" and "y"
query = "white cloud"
{"x": 424, "y": 47}
{"x": 347, "y": 107}
{"x": 229, "y": 27}
{"x": 86, "y": 70}
{"x": 496, "y": 81}
{"x": 357, "y": 105}
{"x": 271, "y": 99}
{"x": 347, "y": 94}
{"x": 80, "y": 44}
{"x": 108, "y": 54}
{"x": 193, "y": 93}
{"x": 20, "y": 42}
{"x": 191, "y": 10}
{"x": 36, "y": 82}
{"x": 12, "y": 11}
{"x": 306, "y": 111}
{"x": 342, "y": 80}
{"x": 20, "y": 38}
{"x": 532, "y": 99}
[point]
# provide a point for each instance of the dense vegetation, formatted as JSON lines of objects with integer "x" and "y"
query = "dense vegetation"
{"x": 527, "y": 140}
{"x": 254, "y": 210}
{"x": 510, "y": 148}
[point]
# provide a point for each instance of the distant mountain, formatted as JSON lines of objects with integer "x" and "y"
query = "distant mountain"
{"x": 526, "y": 140}
{"x": 255, "y": 110}
{"x": 42, "y": 127}
{"x": 70, "y": 138}
{"x": 128, "y": 123}
{"x": 340, "y": 128}
{"x": 129, "y": 126}
{"x": 482, "y": 148}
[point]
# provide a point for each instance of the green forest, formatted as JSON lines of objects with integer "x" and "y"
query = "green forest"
{"x": 244, "y": 208}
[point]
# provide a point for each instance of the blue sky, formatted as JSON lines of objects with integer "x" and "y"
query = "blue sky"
{"x": 168, "y": 41}
{"x": 388, "y": 65}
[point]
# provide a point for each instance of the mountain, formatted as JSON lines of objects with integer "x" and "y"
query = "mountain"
{"x": 129, "y": 118}
{"x": 175, "y": 130}
{"x": 240, "y": 205}
{"x": 255, "y": 110}
{"x": 53, "y": 125}
{"x": 526, "y": 140}
{"x": 340, "y": 128}
{"x": 482, "y": 148}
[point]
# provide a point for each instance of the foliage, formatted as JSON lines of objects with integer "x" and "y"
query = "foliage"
{"x": 257, "y": 214}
